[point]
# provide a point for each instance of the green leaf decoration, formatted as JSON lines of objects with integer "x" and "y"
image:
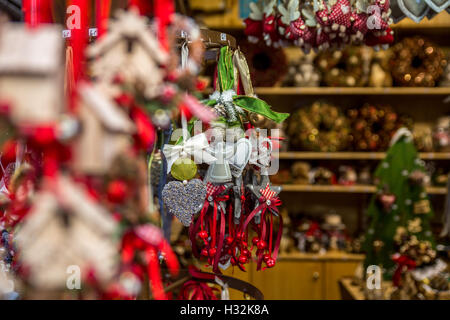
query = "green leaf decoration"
{"x": 226, "y": 82}
{"x": 261, "y": 107}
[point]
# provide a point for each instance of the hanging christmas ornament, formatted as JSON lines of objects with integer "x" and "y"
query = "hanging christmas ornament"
{"x": 387, "y": 200}
{"x": 441, "y": 135}
{"x": 289, "y": 13}
{"x": 422, "y": 206}
{"x": 419, "y": 178}
{"x": 179, "y": 156}
{"x": 415, "y": 10}
{"x": 184, "y": 199}
{"x": 254, "y": 25}
{"x": 378, "y": 245}
{"x": 266, "y": 206}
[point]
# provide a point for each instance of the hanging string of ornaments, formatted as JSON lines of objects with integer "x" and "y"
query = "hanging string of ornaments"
{"x": 320, "y": 24}
{"x": 81, "y": 175}
{"x": 229, "y": 197}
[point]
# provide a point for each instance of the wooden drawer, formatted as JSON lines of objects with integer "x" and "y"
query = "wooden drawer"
{"x": 335, "y": 271}
{"x": 290, "y": 279}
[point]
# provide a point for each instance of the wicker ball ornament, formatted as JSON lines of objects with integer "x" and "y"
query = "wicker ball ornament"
{"x": 416, "y": 62}
{"x": 321, "y": 127}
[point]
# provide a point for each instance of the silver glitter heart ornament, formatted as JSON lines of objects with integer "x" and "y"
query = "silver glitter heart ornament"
{"x": 184, "y": 200}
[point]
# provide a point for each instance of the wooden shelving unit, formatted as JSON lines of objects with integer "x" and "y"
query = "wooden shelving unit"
{"x": 315, "y": 276}
{"x": 293, "y": 155}
{"x": 229, "y": 20}
{"x": 347, "y": 189}
{"x": 330, "y": 255}
{"x": 292, "y": 91}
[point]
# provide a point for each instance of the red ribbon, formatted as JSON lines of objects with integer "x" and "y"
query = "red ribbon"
{"x": 403, "y": 263}
{"x": 132, "y": 242}
{"x": 198, "y": 290}
{"x": 216, "y": 236}
{"x": 221, "y": 233}
{"x": 263, "y": 207}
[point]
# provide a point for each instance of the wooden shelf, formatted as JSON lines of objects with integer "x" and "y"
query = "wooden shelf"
{"x": 230, "y": 20}
{"x": 347, "y": 189}
{"x": 330, "y": 255}
{"x": 287, "y": 91}
{"x": 293, "y": 155}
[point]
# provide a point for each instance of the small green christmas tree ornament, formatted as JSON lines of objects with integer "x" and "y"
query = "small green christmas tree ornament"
{"x": 401, "y": 201}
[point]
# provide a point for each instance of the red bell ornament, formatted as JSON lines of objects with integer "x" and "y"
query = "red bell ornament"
{"x": 240, "y": 236}
{"x": 203, "y": 234}
{"x": 261, "y": 245}
{"x": 243, "y": 259}
{"x": 212, "y": 252}
{"x": 270, "y": 263}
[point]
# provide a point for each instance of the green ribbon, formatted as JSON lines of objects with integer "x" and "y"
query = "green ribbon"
{"x": 225, "y": 70}
{"x": 261, "y": 107}
{"x": 225, "y": 79}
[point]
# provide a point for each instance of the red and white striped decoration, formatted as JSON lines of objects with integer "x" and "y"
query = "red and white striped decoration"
{"x": 212, "y": 190}
{"x": 267, "y": 193}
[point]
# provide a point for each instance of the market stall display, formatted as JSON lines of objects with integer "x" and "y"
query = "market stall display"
{"x": 143, "y": 157}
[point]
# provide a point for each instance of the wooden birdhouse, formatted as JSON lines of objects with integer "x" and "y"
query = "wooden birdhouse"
{"x": 66, "y": 230}
{"x": 105, "y": 131}
{"x": 31, "y": 72}
{"x": 129, "y": 50}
